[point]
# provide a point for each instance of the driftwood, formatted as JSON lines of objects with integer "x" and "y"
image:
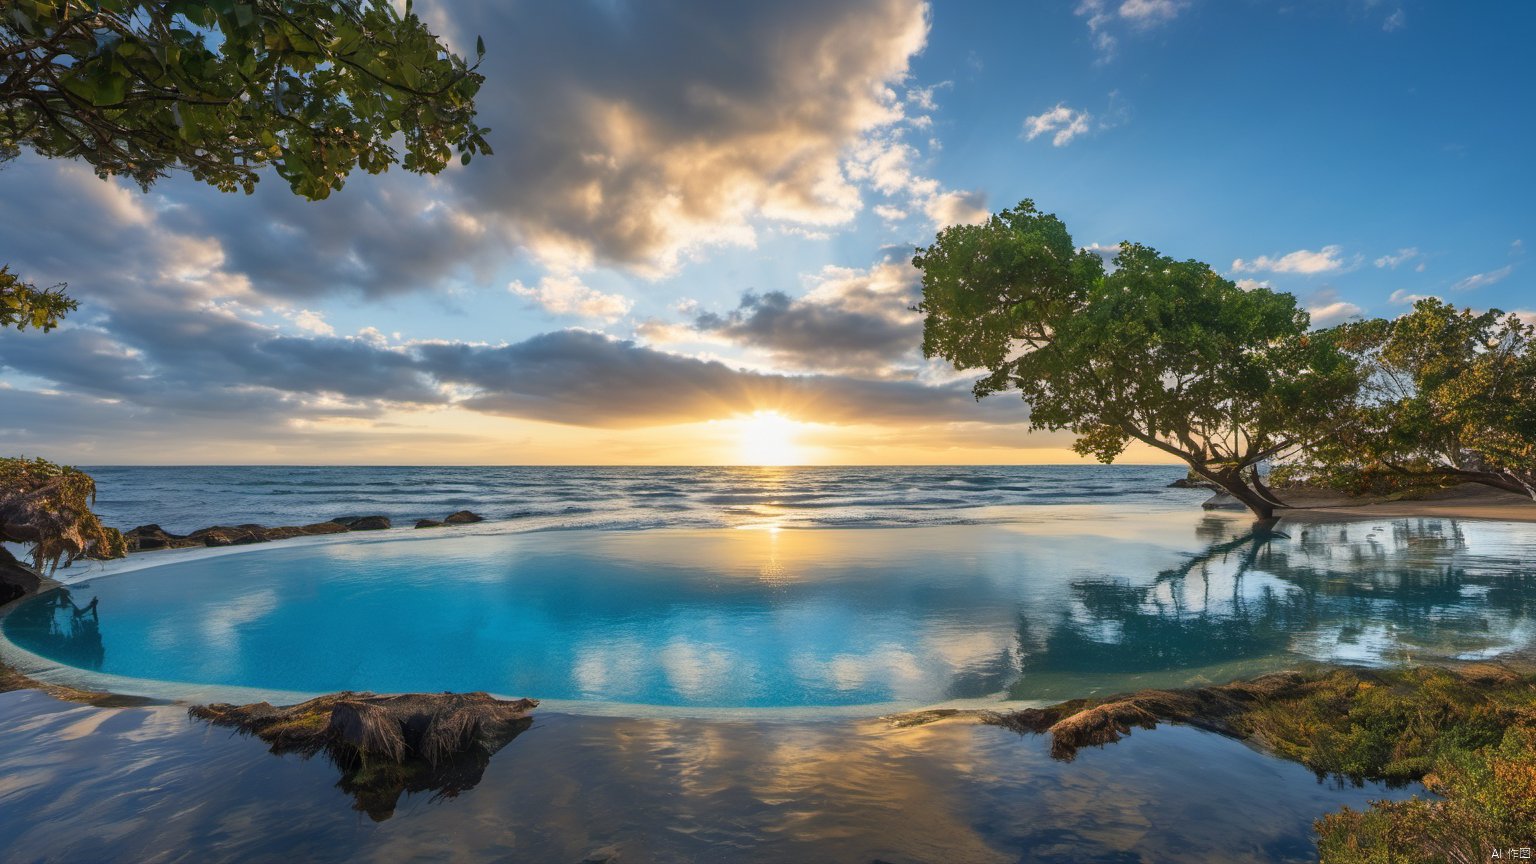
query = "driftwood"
{"x": 386, "y": 745}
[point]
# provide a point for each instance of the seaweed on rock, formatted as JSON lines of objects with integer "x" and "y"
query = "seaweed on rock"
{"x": 386, "y": 745}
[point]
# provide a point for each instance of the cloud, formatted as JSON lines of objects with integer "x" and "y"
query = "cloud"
{"x": 621, "y": 138}
{"x": 1062, "y": 123}
{"x": 1108, "y": 18}
{"x": 1483, "y": 280}
{"x": 662, "y": 131}
{"x": 1301, "y": 261}
{"x": 851, "y": 321}
{"x": 564, "y": 294}
{"x": 1253, "y": 284}
{"x": 1328, "y": 309}
{"x": 957, "y": 208}
{"x": 1401, "y": 296}
{"x": 1401, "y": 256}
{"x": 1396, "y": 21}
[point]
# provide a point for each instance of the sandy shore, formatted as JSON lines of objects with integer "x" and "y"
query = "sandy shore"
{"x": 1468, "y": 501}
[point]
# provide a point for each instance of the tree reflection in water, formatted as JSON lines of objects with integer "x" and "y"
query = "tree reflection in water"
{"x": 1262, "y": 599}
{"x": 62, "y": 630}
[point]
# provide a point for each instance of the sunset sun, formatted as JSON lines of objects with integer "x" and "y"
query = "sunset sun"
{"x": 768, "y": 438}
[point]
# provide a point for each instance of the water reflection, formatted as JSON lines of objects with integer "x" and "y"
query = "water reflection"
{"x": 59, "y": 629}
{"x": 1258, "y": 599}
{"x": 1084, "y": 602}
{"x": 145, "y": 784}
{"x": 375, "y": 788}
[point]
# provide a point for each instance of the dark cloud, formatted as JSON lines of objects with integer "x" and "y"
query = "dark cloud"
{"x": 857, "y": 322}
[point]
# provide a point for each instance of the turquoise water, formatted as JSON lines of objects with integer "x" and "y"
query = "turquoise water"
{"x": 1079, "y": 599}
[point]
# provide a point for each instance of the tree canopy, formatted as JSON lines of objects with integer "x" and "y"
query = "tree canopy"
{"x": 1154, "y": 350}
{"x": 48, "y": 507}
{"x": 23, "y": 304}
{"x": 222, "y": 88}
{"x": 1450, "y": 397}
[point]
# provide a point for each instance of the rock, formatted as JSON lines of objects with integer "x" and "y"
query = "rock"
{"x": 1223, "y": 501}
{"x": 386, "y": 745}
{"x": 17, "y": 580}
{"x": 220, "y": 535}
{"x": 428, "y": 523}
{"x": 147, "y": 537}
{"x": 463, "y": 517}
{"x": 1187, "y": 483}
{"x": 312, "y": 530}
{"x": 369, "y": 523}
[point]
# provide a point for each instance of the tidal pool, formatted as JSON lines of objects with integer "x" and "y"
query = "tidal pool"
{"x": 1087, "y": 600}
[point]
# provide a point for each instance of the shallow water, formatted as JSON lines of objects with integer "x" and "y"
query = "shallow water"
{"x": 1077, "y": 600}
{"x": 148, "y": 785}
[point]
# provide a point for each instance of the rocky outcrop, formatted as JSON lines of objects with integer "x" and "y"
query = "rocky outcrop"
{"x": 428, "y": 523}
{"x": 463, "y": 517}
{"x": 1193, "y": 483}
{"x": 311, "y": 530}
{"x": 147, "y": 537}
{"x": 363, "y": 523}
{"x": 386, "y": 745}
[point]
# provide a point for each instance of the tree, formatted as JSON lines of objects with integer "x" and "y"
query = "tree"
{"x": 23, "y": 304}
{"x": 1450, "y": 397}
{"x": 222, "y": 88}
{"x": 1159, "y": 351}
{"x": 48, "y": 507}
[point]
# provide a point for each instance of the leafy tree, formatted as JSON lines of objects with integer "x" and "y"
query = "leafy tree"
{"x": 1159, "y": 351}
{"x": 1450, "y": 397}
{"x": 314, "y": 88}
{"x": 222, "y": 88}
{"x": 48, "y": 507}
{"x": 23, "y": 304}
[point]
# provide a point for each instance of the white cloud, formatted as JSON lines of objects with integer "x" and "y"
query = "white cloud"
{"x": 1395, "y": 21}
{"x": 1327, "y": 308}
{"x": 889, "y": 213}
{"x": 957, "y": 208}
{"x": 1253, "y": 284}
{"x": 1106, "y": 17}
{"x": 564, "y": 294}
{"x": 1062, "y": 123}
{"x": 1483, "y": 280}
{"x": 1301, "y": 261}
{"x": 1147, "y": 12}
{"x": 1406, "y": 297}
{"x": 309, "y": 321}
{"x": 1401, "y": 256}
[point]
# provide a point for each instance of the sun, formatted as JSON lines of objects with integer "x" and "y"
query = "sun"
{"x": 768, "y": 438}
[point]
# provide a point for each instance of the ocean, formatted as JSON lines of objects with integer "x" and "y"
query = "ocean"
{"x": 183, "y": 499}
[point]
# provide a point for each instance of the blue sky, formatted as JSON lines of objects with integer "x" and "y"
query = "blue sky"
{"x": 698, "y": 216}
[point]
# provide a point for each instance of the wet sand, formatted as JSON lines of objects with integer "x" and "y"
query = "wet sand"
{"x": 1468, "y": 501}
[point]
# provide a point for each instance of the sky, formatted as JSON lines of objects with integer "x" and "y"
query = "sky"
{"x": 693, "y": 242}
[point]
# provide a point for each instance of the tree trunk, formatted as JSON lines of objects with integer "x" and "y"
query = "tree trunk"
{"x": 1231, "y": 481}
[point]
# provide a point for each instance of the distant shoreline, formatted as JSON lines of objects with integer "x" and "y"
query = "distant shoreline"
{"x": 1467, "y": 501}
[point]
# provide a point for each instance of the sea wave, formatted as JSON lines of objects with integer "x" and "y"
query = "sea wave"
{"x": 186, "y": 498}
